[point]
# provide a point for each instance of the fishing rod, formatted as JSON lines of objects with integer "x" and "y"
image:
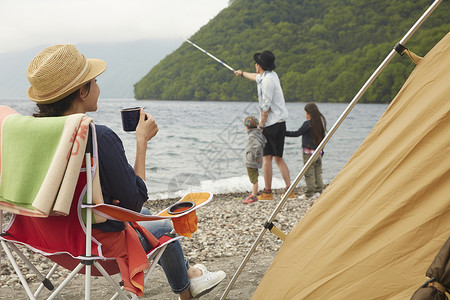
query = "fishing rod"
{"x": 302, "y": 172}
{"x": 210, "y": 55}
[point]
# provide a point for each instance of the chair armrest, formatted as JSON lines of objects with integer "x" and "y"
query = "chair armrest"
{"x": 118, "y": 213}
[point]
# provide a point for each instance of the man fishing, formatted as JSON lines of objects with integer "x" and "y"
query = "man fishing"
{"x": 272, "y": 120}
{"x": 273, "y": 115}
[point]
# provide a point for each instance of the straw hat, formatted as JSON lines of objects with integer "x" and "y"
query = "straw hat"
{"x": 58, "y": 71}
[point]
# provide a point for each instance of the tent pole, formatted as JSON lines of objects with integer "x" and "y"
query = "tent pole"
{"x": 327, "y": 138}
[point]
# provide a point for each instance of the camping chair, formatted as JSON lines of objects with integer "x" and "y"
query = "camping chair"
{"x": 63, "y": 233}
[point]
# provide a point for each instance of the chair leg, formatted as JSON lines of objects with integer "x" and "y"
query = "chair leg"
{"x": 119, "y": 291}
{"x": 66, "y": 281}
{"x": 155, "y": 258}
{"x": 17, "y": 270}
{"x": 49, "y": 275}
{"x": 87, "y": 284}
{"x": 45, "y": 281}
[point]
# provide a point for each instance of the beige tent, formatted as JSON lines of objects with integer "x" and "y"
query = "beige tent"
{"x": 380, "y": 223}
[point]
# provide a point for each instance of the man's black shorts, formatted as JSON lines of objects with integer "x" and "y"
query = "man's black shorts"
{"x": 275, "y": 139}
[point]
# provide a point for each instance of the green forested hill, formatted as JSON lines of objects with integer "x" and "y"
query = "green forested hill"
{"x": 325, "y": 50}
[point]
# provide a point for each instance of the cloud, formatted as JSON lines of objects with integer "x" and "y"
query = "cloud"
{"x": 30, "y": 23}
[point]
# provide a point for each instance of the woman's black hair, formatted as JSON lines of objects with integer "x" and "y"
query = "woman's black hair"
{"x": 58, "y": 108}
{"x": 319, "y": 123}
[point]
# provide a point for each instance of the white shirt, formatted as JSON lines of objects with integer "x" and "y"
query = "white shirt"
{"x": 270, "y": 96}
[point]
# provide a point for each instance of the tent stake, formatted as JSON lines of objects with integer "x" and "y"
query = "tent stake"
{"x": 327, "y": 138}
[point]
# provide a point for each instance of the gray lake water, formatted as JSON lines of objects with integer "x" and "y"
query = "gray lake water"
{"x": 200, "y": 144}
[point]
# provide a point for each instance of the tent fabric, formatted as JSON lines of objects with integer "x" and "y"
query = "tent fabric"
{"x": 382, "y": 220}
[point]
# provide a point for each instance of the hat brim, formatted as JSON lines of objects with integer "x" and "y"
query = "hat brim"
{"x": 261, "y": 63}
{"x": 96, "y": 67}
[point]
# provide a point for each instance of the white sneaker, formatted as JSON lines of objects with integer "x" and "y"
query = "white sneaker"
{"x": 205, "y": 283}
{"x": 316, "y": 195}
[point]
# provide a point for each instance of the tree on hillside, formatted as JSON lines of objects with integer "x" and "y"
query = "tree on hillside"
{"x": 325, "y": 49}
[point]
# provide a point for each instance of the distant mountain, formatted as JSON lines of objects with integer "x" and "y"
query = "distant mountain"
{"x": 325, "y": 50}
{"x": 127, "y": 64}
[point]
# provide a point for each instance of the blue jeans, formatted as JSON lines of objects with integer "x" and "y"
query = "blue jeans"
{"x": 173, "y": 262}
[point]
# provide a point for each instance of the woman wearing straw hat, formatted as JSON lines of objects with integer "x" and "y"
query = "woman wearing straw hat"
{"x": 63, "y": 83}
{"x": 273, "y": 118}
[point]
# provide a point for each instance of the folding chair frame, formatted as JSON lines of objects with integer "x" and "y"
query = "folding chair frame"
{"x": 89, "y": 260}
{"x": 10, "y": 247}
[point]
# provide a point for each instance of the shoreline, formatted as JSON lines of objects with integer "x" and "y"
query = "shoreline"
{"x": 226, "y": 231}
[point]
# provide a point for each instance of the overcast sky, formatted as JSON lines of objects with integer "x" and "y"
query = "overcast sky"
{"x": 30, "y": 23}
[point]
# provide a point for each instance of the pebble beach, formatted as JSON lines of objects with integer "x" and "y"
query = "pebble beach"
{"x": 227, "y": 229}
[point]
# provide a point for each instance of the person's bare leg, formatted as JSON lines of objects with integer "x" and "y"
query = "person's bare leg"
{"x": 284, "y": 170}
{"x": 185, "y": 295}
{"x": 192, "y": 273}
{"x": 255, "y": 189}
{"x": 267, "y": 171}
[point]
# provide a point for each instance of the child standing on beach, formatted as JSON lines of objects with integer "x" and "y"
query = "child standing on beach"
{"x": 253, "y": 155}
{"x": 312, "y": 132}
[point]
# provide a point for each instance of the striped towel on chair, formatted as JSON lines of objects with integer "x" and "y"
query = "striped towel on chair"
{"x": 41, "y": 159}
